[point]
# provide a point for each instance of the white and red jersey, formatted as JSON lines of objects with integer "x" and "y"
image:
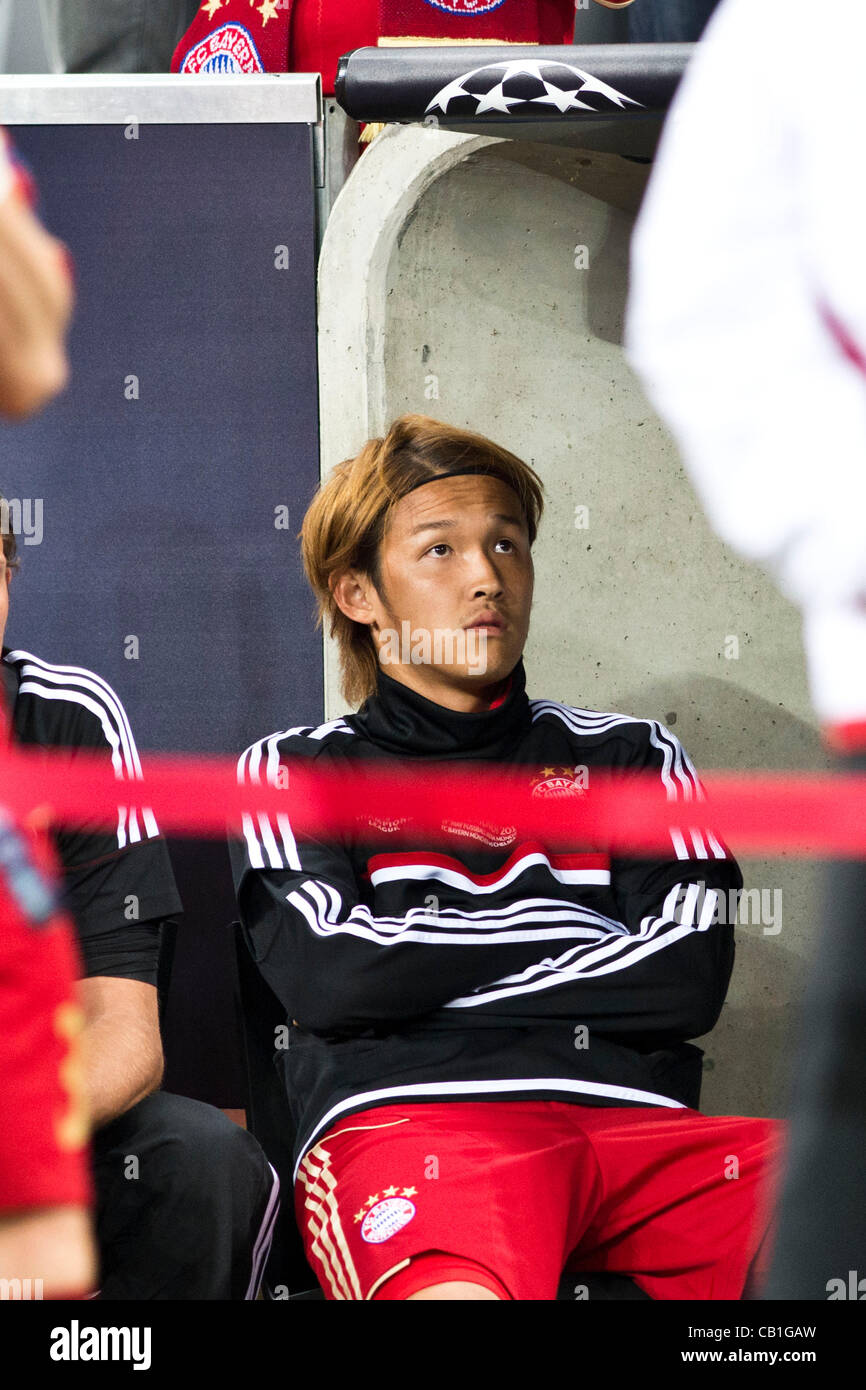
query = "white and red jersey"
{"x": 747, "y": 311}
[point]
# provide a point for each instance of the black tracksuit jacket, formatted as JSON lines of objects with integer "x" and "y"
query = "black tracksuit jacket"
{"x": 489, "y": 967}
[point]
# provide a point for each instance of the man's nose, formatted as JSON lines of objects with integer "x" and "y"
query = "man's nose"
{"x": 486, "y": 575}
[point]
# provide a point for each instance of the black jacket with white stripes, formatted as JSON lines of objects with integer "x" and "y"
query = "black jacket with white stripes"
{"x": 118, "y": 883}
{"x": 490, "y": 967}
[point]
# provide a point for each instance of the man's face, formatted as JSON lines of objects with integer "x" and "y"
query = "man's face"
{"x": 457, "y": 549}
{"x": 5, "y": 576}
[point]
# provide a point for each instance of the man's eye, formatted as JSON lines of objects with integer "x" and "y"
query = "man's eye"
{"x": 503, "y": 540}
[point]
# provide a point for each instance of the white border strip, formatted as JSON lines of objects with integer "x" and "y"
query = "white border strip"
{"x": 109, "y": 98}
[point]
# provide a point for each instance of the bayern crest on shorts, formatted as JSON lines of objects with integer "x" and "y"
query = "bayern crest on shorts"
{"x": 228, "y": 49}
{"x": 386, "y": 1218}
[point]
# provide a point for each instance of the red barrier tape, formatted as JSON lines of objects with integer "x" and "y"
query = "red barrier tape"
{"x": 820, "y": 814}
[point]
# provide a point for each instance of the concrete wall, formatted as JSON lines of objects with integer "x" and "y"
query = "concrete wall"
{"x": 22, "y": 43}
{"x": 477, "y": 314}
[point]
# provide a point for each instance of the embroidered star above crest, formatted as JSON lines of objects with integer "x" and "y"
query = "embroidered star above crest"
{"x": 267, "y": 9}
{"x": 211, "y": 6}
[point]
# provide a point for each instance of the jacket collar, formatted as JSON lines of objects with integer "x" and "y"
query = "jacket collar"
{"x": 400, "y": 720}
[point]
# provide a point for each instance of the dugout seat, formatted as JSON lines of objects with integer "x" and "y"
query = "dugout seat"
{"x": 165, "y": 961}
{"x": 287, "y": 1272}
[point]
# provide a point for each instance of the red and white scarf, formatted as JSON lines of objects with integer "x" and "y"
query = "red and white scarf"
{"x": 310, "y": 35}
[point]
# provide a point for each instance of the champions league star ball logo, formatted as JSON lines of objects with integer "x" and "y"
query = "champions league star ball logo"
{"x": 228, "y": 49}
{"x": 519, "y": 84}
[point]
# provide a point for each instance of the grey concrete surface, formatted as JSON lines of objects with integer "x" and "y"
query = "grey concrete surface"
{"x": 22, "y": 42}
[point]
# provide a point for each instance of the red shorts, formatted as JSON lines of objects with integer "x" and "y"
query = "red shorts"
{"x": 511, "y": 1194}
{"x": 44, "y": 1157}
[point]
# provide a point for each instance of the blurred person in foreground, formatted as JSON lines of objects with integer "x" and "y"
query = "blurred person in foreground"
{"x": 36, "y": 296}
{"x": 747, "y": 324}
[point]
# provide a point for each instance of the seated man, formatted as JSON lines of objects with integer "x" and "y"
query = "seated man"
{"x": 185, "y": 1198}
{"x": 487, "y": 1063}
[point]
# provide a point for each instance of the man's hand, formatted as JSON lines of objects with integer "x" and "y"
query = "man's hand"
{"x": 121, "y": 1045}
{"x": 36, "y": 302}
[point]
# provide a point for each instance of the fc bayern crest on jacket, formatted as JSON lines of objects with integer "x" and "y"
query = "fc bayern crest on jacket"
{"x": 228, "y": 49}
{"x": 518, "y": 83}
{"x": 560, "y": 781}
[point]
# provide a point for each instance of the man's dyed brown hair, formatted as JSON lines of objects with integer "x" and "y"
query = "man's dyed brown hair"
{"x": 348, "y": 518}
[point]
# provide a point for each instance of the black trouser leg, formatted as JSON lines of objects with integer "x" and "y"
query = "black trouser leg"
{"x": 186, "y": 1202}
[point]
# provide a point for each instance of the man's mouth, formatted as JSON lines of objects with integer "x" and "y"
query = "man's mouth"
{"x": 488, "y": 622}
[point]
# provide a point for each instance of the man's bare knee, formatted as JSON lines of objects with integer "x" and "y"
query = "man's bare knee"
{"x": 455, "y": 1288}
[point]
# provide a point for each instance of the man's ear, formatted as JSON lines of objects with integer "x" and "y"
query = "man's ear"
{"x": 351, "y": 591}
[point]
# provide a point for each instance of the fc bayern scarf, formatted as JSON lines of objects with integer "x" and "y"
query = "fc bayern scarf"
{"x": 310, "y": 35}
{"x": 236, "y": 36}
{"x": 467, "y": 21}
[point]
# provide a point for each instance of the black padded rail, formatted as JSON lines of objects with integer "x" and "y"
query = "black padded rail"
{"x": 494, "y": 85}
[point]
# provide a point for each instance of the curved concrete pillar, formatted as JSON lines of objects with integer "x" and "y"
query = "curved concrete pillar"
{"x": 366, "y": 224}
{"x": 483, "y": 281}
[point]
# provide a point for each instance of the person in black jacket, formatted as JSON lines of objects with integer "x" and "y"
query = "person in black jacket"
{"x": 487, "y": 1056}
{"x": 185, "y": 1198}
